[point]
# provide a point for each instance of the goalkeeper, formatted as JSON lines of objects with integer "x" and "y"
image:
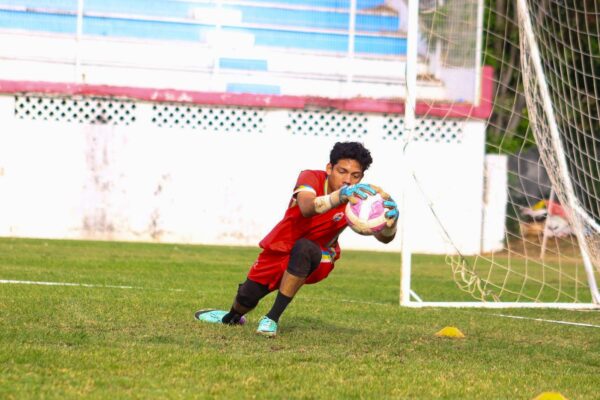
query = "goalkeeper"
{"x": 303, "y": 247}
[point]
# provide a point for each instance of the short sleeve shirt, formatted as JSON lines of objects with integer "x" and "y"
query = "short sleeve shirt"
{"x": 322, "y": 229}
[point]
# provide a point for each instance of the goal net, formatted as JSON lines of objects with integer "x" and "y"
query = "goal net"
{"x": 544, "y": 124}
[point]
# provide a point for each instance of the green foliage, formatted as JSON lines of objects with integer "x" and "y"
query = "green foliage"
{"x": 577, "y": 65}
{"x": 508, "y": 128}
{"x": 344, "y": 338}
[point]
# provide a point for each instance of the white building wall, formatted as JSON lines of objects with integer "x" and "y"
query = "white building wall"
{"x": 446, "y": 192}
{"x": 147, "y": 182}
{"x": 495, "y": 201}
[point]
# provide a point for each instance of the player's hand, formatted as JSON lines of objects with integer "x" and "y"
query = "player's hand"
{"x": 362, "y": 190}
{"x": 391, "y": 215}
{"x": 381, "y": 192}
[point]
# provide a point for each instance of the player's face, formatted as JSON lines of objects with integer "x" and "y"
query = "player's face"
{"x": 345, "y": 172}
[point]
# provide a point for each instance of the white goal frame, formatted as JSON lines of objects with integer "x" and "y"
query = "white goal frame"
{"x": 408, "y": 297}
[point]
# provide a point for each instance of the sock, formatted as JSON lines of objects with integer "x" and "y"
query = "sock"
{"x": 232, "y": 317}
{"x": 281, "y": 302}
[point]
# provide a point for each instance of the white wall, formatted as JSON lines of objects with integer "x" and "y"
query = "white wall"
{"x": 495, "y": 201}
{"x": 445, "y": 194}
{"x": 143, "y": 182}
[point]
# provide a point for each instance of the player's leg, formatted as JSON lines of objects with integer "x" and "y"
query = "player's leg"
{"x": 263, "y": 277}
{"x": 305, "y": 257}
{"x": 248, "y": 295}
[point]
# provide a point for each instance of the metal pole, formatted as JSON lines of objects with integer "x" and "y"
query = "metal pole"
{"x": 478, "y": 51}
{"x": 216, "y": 43}
{"x": 78, "y": 34}
{"x": 351, "y": 37}
{"x": 545, "y": 231}
{"x": 409, "y": 125}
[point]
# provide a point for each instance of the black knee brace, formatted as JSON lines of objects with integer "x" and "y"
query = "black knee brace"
{"x": 304, "y": 258}
{"x": 250, "y": 292}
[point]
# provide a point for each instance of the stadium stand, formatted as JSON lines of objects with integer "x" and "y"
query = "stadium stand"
{"x": 277, "y": 47}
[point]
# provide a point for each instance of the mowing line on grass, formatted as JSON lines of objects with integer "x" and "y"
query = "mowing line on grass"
{"x": 81, "y": 285}
{"x": 10, "y": 281}
{"x": 547, "y": 320}
{"x": 471, "y": 312}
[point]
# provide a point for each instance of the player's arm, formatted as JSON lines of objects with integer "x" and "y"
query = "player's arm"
{"x": 311, "y": 204}
{"x": 388, "y": 233}
{"x": 306, "y": 203}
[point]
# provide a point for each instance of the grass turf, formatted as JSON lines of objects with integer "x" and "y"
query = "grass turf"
{"x": 343, "y": 338}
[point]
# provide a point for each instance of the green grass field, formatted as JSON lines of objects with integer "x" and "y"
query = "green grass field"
{"x": 131, "y": 332}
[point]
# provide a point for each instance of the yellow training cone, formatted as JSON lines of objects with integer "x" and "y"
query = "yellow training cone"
{"x": 450, "y": 332}
{"x": 550, "y": 396}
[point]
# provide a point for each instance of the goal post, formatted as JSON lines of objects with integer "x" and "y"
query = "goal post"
{"x": 409, "y": 126}
{"x": 546, "y": 130}
{"x": 537, "y": 109}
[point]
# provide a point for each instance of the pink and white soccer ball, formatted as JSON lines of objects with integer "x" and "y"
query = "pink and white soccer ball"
{"x": 367, "y": 216}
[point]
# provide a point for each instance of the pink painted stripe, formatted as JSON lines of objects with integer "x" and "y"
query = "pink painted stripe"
{"x": 448, "y": 110}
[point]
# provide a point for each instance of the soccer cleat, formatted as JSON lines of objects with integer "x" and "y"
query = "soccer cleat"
{"x": 267, "y": 327}
{"x": 215, "y": 316}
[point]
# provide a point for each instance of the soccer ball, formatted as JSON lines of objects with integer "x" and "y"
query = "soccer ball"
{"x": 367, "y": 216}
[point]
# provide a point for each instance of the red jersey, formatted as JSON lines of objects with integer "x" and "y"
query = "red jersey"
{"x": 323, "y": 229}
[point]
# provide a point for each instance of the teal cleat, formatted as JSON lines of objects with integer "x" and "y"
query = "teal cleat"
{"x": 215, "y": 317}
{"x": 267, "y": 327}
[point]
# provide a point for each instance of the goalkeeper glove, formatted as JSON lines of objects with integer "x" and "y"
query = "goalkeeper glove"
{"x": 392, "y": 214}
{"x": 344, "y": 195}
{"x": 361, "y": 190}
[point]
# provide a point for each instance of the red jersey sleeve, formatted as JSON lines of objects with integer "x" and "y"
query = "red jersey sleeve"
{"x": 309, "y": 181}
{"x": 323, "y": 229}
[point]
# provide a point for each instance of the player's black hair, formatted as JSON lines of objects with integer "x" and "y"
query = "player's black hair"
{"x": 352, "y": 150}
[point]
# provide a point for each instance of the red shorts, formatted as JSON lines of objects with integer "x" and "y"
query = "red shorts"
{"x": 268, "y": 269}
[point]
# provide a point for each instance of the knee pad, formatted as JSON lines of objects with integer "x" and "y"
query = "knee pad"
{"x": 250, "y": 292}
{"x": 304, "y": 258}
